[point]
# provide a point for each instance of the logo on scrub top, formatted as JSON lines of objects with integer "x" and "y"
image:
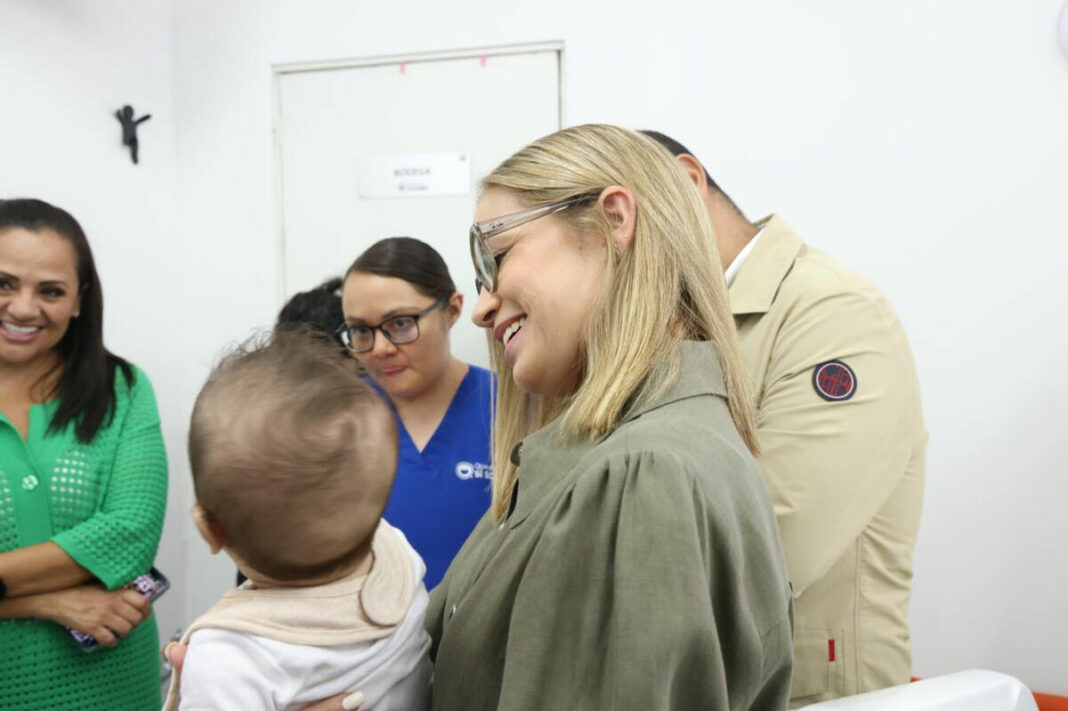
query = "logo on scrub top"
{"x": 467, "y": 470}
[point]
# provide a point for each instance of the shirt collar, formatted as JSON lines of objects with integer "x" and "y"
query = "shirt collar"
{"x": 736, "y": 265}
{"x": 758, "y": 279}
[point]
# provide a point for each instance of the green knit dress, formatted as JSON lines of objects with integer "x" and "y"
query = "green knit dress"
{"x": 103, "y": 503}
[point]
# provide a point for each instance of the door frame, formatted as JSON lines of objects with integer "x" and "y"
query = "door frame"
{"x": 278, "y": 71}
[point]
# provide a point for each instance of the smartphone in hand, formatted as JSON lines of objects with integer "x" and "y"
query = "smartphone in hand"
{"x": 152, "y": 584}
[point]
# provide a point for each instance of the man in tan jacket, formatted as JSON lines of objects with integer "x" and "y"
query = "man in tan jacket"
{"x": 843, "y": 441}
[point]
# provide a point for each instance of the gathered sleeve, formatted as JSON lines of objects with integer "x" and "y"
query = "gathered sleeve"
{"x": 119, "y": 542}
{"x": 629, "y": 599}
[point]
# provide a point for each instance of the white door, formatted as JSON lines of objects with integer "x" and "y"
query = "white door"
{"x": 339, "y": 128}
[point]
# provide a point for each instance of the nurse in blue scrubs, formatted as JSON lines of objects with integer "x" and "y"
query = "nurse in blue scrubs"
{"x": 400, "y": 304}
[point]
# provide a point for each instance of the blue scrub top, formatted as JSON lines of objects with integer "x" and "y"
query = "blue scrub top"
{"x": 439, "y": 494}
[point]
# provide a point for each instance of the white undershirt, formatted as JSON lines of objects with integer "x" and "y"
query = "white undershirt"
{"x": 736, "y": 265}
{"x": 232, "y": 670}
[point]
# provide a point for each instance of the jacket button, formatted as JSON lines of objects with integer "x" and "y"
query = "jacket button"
{"x": 452, "y": 611}
{"x": 30, "y": 482}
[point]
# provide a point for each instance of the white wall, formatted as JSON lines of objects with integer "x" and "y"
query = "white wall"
{"x": 923, "y": 143}
{"x": 65, "y": 67}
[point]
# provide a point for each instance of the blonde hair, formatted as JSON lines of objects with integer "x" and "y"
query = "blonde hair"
{"x": 666, "y": 287}
{"x": 293, "y": 455}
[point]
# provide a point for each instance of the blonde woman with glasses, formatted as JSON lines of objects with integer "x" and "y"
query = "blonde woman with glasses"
{"x": 630, "y": 558}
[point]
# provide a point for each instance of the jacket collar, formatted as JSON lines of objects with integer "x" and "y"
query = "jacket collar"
{"x": 768, "y": 264}
{"x": 700, "y": 373}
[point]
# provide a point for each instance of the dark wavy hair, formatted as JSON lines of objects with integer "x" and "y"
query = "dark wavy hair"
{"x": 410, "y": 259}
{"x": 86, "y": 386}
{"x": 318, "y": 309}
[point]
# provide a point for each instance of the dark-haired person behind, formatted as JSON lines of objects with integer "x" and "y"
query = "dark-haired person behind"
{"x": 318, "y": 309}
{"x": 400, "y": 303}
{"x": 83, "y": 477}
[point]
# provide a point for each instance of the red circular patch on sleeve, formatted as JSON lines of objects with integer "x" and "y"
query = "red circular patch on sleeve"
{"x": 834, "y": 381}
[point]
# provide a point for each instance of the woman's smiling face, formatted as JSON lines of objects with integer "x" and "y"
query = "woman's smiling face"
{"x": 39, "y": 293}
{"x": 547, "y": 282}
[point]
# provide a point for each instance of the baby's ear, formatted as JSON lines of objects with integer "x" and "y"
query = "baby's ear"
{"x": 209, "y": 529}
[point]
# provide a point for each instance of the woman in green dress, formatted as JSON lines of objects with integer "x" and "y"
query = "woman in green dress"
{"x": 83, "y": 480}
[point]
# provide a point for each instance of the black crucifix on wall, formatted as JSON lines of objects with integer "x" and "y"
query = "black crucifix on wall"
{"x": 129, "y": 128}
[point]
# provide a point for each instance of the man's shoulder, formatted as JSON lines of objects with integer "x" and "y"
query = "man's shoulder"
{"x": 785, "y": 275}
{"x": 823, "y": 299}
{"x": 824, "y": 310}
{"x": 816, "y": 275}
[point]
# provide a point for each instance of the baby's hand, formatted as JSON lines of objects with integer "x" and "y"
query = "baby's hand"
{"x": 341, "y": 702}
{"x": 175, "y": 654}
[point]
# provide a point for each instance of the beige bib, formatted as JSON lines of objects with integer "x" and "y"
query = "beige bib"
{"x": 348, "y": 611}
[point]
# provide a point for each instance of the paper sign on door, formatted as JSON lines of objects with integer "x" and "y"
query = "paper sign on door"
{"x": 414, "y": 175}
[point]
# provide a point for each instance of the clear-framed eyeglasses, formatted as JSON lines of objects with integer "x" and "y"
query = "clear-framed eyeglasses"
{"x": 486, "y": 262}
{"x": 398, "y": 330}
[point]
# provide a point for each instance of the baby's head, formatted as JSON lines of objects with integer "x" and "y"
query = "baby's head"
{"x": 293, "y": 457}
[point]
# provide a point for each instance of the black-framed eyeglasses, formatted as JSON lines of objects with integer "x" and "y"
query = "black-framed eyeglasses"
{"x": 486, "y": 262}
{"x": 399, "y": 330}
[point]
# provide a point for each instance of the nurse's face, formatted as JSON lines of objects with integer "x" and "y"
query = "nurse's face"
{"x": 409, "y": 370}
{"x": 547, "y": 280}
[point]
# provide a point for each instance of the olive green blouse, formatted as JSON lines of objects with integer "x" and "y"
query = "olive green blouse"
{"x": 641, "y": 571}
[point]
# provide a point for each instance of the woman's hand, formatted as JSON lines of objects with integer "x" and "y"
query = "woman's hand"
{"x": 90, "y": 609}
{"x": 175, "y": 654}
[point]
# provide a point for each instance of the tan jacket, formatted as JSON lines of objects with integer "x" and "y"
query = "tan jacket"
{"x": 842, "y": 432}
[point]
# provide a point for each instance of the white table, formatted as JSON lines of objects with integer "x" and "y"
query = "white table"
{"x": 972, "y": 690}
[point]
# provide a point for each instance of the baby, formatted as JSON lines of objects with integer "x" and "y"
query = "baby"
{"x": 293, "y": 458}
